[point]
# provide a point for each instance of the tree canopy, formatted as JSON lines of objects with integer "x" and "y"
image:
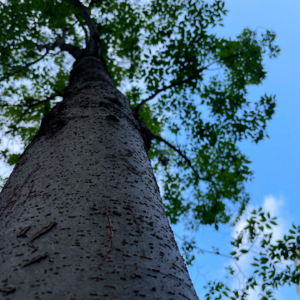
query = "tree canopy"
{"x": 188, "y": 85}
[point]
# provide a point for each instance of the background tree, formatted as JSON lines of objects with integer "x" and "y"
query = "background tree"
{"x": 161, "y": 55}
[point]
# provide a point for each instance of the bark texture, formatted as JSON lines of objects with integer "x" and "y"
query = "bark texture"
{"x": 81, "y": 215}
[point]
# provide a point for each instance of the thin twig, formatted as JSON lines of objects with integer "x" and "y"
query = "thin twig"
{"x": 28, "y": 106}
{"x": 60, "y": 42}
{"x": 159, "y": 138}
{"x": 219, "y": 254}
{"x": 25, "y": 67}
{"x": 51, "y": 97}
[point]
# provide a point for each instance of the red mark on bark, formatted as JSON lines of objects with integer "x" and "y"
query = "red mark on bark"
{"x": 36, "y": 259}
{"x": 29, "y": 175}
{"x": 110, "y": 234}
{"x": 28, "y": 194}
{"x": 11, "y": 202}
{"x": 39, "y": 233}
{"x": 137, "y": 224}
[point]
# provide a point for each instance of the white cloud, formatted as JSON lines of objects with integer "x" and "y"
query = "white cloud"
{"x": 273, "y": 205}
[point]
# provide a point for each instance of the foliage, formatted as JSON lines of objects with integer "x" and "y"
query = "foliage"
{"x": 164, "y": 54}
{"x": 165, "y": 47}
{"x": 271, "y": 269}
{"x": 2, "y": 181}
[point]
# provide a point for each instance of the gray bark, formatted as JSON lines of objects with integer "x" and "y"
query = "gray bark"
{"x": 81, "y": 215}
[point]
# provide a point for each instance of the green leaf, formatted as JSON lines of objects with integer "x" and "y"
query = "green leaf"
{"x": 244, "y": 251}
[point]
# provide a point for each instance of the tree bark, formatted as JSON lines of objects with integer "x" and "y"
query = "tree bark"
{"x": 81, "y": 215}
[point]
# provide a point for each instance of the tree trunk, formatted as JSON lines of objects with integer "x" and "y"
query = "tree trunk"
{"x": 81, "y": 215}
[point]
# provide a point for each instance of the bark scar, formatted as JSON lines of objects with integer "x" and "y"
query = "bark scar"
{"x": 130, "y": 169}
{"x": 36, "y": 259}
{"x": 23, "y": 231}
{"x": 8, "y": 289}
{"x": 28, "y": 194}
{"x": 110, "y": 234}
{"x": 39, "y": 233}
{"x": 11, "y": 202}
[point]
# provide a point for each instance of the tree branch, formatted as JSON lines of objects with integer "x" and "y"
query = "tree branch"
{"x": 86, "y": 16}
{"x": 204, "y": 250}
{"x": 28, "y": 106}
{"x": 166, "y": 87}
{"x": 94, "y": 43}
{"x": 26, "y": 66}
{"x": 217, "y": 253}
{"x": 154, "y": 136}
{"x": 85, "y": 31}
{"x": 60, "y": 42}
{"x": 92, "y": 3}
{"x": 51, "y": 97}
{"x": 73, "y": 50}
{"x": 58, "y": 92}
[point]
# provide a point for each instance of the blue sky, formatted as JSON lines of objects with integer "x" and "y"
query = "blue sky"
{"x": 275, "y": 161}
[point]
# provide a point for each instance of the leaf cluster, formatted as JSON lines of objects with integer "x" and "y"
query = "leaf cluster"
{"x": 271, "y": 264}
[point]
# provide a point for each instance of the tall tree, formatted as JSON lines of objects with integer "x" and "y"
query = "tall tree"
{"x": 81, "y": 214}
